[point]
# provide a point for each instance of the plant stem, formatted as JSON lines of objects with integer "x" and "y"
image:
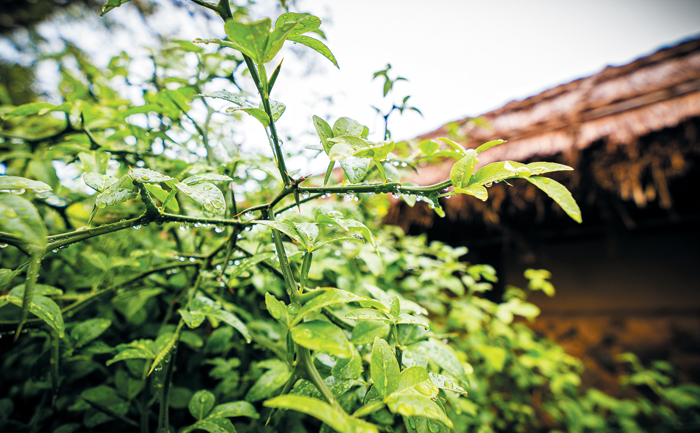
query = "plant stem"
{"x": 313, "y": 376}
{"x": 284, "y": 263}
{"x": 273, "y": 130}
{"x": 163, "y": 423}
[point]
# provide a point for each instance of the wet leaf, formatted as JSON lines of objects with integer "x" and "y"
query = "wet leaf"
{"x": 322, "y": 337}
{"x": 446, "y": 383}
{"x": 269, "y": 382}
{"x": 88, "y": 330}
{"x": 118, "y": 192}
{"x": 317, "y": 46}
{"x": 489, "y": 145}
{"x": 416, "y": 381}
{"x": 324, "y": 132}
{"x": 415, "y": 405}
{"x": 234, "y": 409}
{"x": 333, "y": 297}
{"x": 145, "y": 175}
{"x": 559, "y": 194}
{"x": 99, "y": 182}
{"x": 16, "y": 183}
{"x": 355, "y": 168}
{"x": 249, "y": 38}
{"x": 384, "y": 367}
{"x": 444, "y": 356}
{"x": 321, "y": 410}
{"x": 463, "y": 169}
{"x": 41, "y": 306}
{"x": 207, "y": 195}
{"x": 201, "y": 404}
{"x": 277, "y": 309}
{"x": 19, "y": 217}
{"x": 365, "y": 331}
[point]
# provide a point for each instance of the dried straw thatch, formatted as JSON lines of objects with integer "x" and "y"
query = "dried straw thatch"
{"x": 610, "y": 119}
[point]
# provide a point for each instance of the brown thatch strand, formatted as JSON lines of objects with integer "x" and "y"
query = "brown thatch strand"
{"x": 618, "y": 106}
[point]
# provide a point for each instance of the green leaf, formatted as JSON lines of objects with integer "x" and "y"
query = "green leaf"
{"x": 546, "y": 167}
{"x": 247, "y": 264}
{"x": 212, "y": 425}
{"x": 408, "y": 319}
{"x": 324, "y": 132}
{"x": 415, "y": 405}
{"x": 39, "y": 108}
{"x": 41, "y": 306}
{"x": 287, "y": 229}
{"x": 228, "y": 96}
{"x": 444, "y": 356}
{"x": 145, "y": 175}
{"x": 416, "y": 381}
{"x": 207, "y": 195}
{"x": 384, "y": 368}
{"x": 368, "y": 314}
{"x": 111, "y": 4}
{"x": 559, "y": 194}
{"x": 428, "y": 147}
{"x": 15, "y": 184}
{"x": 347, "y": 126}
{"x": 276, "y": 39}
{"x": 321, "y": 410}
{"x": 333, "y": 297}
{"x": 250, "y": 38}
{"x": 206, "y": 177}
{"x": 95, "y": 161}
{"x": 322, "y": 337}
{"x": 446, "y": 383}
{"x": 456, "y": 147}
{"x": 118, "y": 192}
{"x": 277, "y": 309}
{"x": 315, "y": 45}
{"x": 477, "y": 191}
{"x": 269, "y": 382}
{"x": 88, "y": 330}
{"x": 497, "y": 172}
{"x": 137, "y": 349}
{"x": 276, "y": 108}
{"x": 348, "y": 368}
{"x": 489, "y": 145}
{"x": 463, "y": 169}
{"x": 232, "y": 321}
{"x": 162, "y": 195}
{"x": 366, "y": 331}
{"x": 99, "y": 182}
{"x": 376, "y": 151}
{"x": 258, "y": 113}
{"x": 346, "y": 146}
{"x": 304, "y": 23}
{"x": 19, "y": 217}
{"x": 234, "y": 409}
{"x": 355, "y": 168}
{"x": 201, "y": 404}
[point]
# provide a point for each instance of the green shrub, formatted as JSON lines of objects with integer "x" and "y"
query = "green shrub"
{"x": 226, "y": 308}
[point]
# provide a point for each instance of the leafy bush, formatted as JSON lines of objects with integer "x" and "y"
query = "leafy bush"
{"x": 226, "y": 309}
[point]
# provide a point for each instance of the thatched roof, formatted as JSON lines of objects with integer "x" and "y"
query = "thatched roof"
{"x": 616, "y": 109}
